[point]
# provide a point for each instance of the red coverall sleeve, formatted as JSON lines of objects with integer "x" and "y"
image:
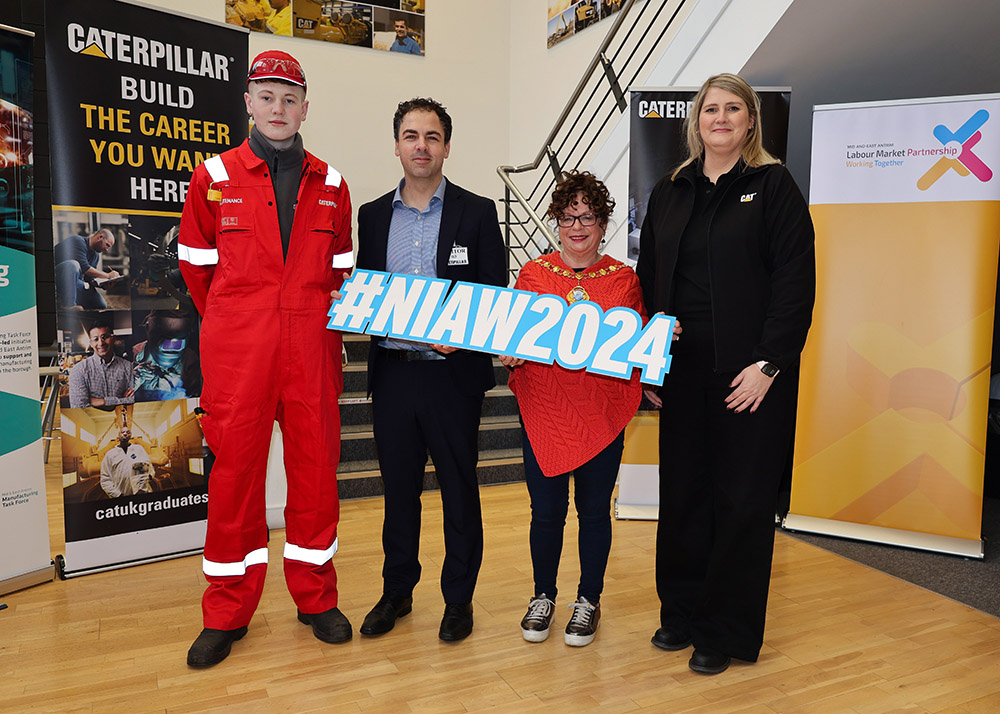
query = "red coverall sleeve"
{"x": 197, "y": 254}
{"x": 343, "y": 249}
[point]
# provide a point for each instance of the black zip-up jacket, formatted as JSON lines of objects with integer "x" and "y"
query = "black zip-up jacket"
{"x": 762, "y": 262}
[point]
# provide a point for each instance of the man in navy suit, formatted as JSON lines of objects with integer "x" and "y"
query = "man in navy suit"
{"x": 429, "y": 398}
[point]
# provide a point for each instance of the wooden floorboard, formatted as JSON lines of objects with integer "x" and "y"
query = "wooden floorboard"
{"x": 841, "y": 638}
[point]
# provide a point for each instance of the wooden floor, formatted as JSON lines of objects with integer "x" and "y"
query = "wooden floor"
{"x": 840, "y": 638}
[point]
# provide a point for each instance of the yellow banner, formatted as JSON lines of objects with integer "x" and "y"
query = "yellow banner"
{"x": 895, "y": 374}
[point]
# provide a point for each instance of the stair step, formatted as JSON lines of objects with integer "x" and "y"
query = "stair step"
{"x": 500, "y": 466}
{"x": 356, "y": 407}
{"x": 357, "y": 442}
{"x": 500, "y": 457}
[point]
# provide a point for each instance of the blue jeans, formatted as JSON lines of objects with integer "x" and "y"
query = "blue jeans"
{"x": 594, "y": 484}
{"x": 73, "y": 291}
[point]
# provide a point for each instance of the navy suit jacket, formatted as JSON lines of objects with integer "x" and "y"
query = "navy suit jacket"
{"x": 466, "y": 220}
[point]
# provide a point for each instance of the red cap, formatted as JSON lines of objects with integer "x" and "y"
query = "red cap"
{"x": 275, "y": 64}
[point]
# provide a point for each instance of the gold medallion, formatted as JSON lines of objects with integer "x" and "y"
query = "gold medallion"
{"x": 577, "y": 294}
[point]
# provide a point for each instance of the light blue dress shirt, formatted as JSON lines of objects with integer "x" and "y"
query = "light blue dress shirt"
{"x": 412, "y": 245}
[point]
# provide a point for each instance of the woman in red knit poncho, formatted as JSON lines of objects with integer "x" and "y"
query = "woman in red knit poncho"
{"x": 574, "y": 421}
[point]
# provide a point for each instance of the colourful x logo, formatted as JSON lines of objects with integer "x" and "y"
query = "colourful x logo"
{"x": 968, "y": 135}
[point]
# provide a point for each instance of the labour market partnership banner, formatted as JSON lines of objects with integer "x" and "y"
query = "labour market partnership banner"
{"x": 539, "y": 328}
{"x": 24, "y": 524}
{"x": 137, "y": 99}
{"x": 893, "y": 398}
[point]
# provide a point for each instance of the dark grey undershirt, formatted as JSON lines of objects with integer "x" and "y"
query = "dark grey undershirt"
{"x": 285, "y": 169}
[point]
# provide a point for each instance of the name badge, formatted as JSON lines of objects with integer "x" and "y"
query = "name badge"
{"x": 459, "y": 255}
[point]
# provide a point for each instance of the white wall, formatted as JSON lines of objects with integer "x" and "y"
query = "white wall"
{"x": 353, "y": 93}
{"x": 542, "y": 79}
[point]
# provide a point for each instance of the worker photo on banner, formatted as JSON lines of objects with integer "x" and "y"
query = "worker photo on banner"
{"x": 164, "y": 337}
{"x": 134, "y": 449}
{"x": 401, "y": 32}
{"x": 95, "y": 367}
{"x": 154, "y": 279}
{"x": 165, "y": 356}
{"x": 346, "y": 23}
{"x": 271, "y": 16}
{"x": 90, "y": 254}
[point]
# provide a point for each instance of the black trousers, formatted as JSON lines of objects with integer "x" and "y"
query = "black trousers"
{"x": 418, "y": 408}
{"x": 719, "y": 477}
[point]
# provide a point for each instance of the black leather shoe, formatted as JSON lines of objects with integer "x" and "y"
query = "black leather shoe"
{"x": 212, "y": 646}
{"x": 672, "y": 640}
{"x": 706, "y": 661}
{"x": 330, "y": 626}
{"x": 456, "y": 623}
{"x": 383, "y": 616}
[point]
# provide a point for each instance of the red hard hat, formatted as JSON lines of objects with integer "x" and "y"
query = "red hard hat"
{"x": 275, "y": 64}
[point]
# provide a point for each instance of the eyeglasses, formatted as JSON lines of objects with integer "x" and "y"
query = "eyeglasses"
{"x": 567, "y": 221}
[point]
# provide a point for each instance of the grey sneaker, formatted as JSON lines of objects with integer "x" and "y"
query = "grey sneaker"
{"x": 582, "y": 627}
{"x": 536, "y": 622}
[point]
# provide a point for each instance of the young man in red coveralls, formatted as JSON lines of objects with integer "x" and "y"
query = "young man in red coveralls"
{"x": 264, "y": 237}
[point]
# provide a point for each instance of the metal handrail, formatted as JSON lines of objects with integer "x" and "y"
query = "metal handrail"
{"x": 576, "y": 92}
{"x": 600, "y": 64}
{"x": 505, "y": 171}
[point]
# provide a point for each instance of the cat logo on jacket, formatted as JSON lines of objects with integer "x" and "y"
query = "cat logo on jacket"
{"x": 747, "y": 197}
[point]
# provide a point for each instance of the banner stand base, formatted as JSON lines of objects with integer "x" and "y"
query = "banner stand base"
{"x": 888, "y": 536}
{"x": 65, "y": 574}
{"x": 633, "y": 512}
{"x": 27, "y": 580}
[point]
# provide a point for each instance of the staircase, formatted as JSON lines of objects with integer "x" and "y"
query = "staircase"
{"x": 358, "y": 474}
{"x": 637, "y": 36}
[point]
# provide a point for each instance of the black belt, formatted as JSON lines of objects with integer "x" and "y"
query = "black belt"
{"x": 409, "y": 355}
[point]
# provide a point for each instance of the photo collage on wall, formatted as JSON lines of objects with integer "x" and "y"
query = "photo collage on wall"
{"x": 567, "y": 17}
{"x": 387, "y": 25}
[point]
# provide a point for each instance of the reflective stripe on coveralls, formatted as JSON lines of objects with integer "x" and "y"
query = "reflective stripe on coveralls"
{"x": 309, "y": 555}
{"x": 205, "y": 256}
{"x": 217, "y": 170}
{"x": 343, "y": 260}
{"x": 254, "y": 557}
{"x": 199, "y": 256}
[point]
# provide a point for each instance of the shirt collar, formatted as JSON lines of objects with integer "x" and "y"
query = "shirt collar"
{"x": 397, "y": 198}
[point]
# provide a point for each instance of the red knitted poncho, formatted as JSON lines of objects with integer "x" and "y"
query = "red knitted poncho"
{"x": 572, "y": 415}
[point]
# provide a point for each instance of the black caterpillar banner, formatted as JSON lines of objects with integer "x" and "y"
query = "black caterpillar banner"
{"x": 137, "y": 99}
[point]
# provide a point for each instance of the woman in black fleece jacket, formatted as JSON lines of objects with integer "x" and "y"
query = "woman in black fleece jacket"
{"x": 727, "y": 247}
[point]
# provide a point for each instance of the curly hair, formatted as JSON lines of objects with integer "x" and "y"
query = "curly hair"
{"x": 424, "y": 105}
{"x": 594, "y": 193}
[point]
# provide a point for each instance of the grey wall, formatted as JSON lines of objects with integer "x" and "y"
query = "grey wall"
{"x": 831, "y": 51}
